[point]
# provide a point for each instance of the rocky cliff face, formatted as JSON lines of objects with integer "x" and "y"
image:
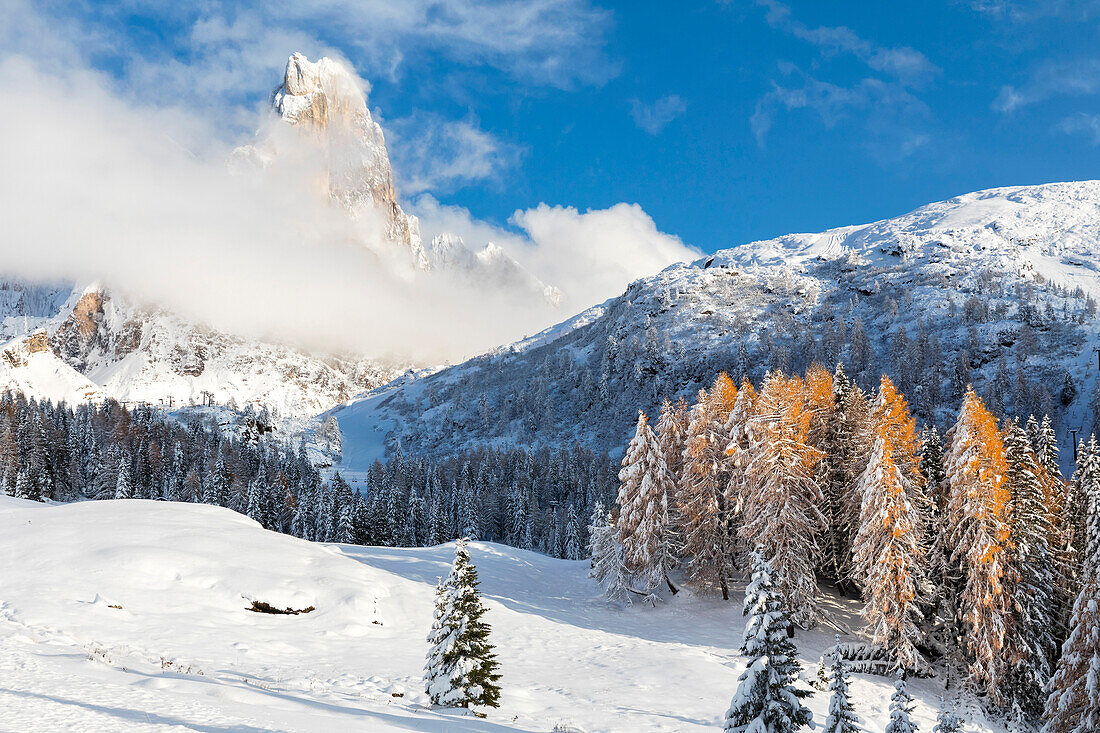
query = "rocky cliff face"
{"x": 324, "y": 103}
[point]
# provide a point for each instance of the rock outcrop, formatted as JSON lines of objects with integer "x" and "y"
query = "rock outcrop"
{"x": 325, "y": 103}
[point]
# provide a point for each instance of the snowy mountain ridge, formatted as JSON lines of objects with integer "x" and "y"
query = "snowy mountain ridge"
{"x": 998, "y": 287}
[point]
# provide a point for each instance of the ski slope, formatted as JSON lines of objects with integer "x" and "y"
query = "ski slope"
{"x": 182, "y": 653}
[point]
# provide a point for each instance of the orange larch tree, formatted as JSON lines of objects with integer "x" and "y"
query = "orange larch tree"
{"x": 702, "y": 508}
{"x": 889, "y": 555}
{"x": 978, "y": 531}
{"x": 783, "y": 499}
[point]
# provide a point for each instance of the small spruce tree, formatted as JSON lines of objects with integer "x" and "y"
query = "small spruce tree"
{"x": 461, "y": 666}
{"x": 948, "y": 720}
{"x": 901, "y": 705}
{"x": 767, "y": 698}
{"x": 842, "y": 717}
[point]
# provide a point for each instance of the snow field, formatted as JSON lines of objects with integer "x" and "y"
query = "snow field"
{"x": 182, "y": 653}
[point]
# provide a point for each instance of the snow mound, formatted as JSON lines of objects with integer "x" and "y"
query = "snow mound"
{"x": 130, "y": 615}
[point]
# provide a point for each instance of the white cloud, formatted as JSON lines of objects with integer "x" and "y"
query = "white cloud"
{"x": 907, "y": 65}
{"x": 139, "y": 197}
{"x": 594, "y": 253}
{"x": 1051, "y": 79}
{"x": 435, "y": 154}
{"x": 653, "y": 118}
{"x": 1082, "y": 123}
{"x": 590, "y": 256}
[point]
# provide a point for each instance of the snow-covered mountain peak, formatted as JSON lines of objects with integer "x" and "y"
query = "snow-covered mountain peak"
{"x": 491, "y": 266}
{"x": 324, "y": 102}
{"x": 1021, "y": 226}
{"x": 998, "y": 288}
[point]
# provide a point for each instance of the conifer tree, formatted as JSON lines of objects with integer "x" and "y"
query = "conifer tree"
{"x": 767, "y": 698}
{"x": 123, "y": 487}
{"x": 901, "y": 706}
{"x": 978, "y": 530}
{"x": 461, "y": 666}
{"x": 571, "y": 546}
{"x": 24, "y": 487}
{"x": 1073, "y": 705}
{"x": 672, "y": 427}
{"x": 645, "y": 532}
{"x": 936, "y": 541}
{"x": 783, "y": 501}
{"x": 702, "y": 508}
{"x": 948, "y": 720}
{"x": 1031, "y": 638}
{"x": 842, "y": 717}
{"x": 888, "y": 555}
{"x": 608, "y": 564}
{"x": 836, "y": 485}
{"x": 596, "y": 521}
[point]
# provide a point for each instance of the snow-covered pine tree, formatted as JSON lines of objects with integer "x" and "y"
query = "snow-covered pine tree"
{"x": 644, "y": 529}
{"x": 596, "y": 521}
{"x": 783, "y": 501}
{"x": 608, "y": 565}
{"x": 1074, "y": 702}
{"x": 1075, "y": 516}
{"x": 1044, "y": 443}
{"x": 842, "y": 717}
{"x": 1031, "y": 638}
{"x": 672, "y": 428}
{"x": 461, "y": 666}
{"x": 571, "y": 547}
{"x": 889, "y": 555}
{"x": 836, "y": 483}
{"x": 935, "y": 539}
{"x": 738, "y": 453}
{"x": 767, "y": 699}
{"x": 345, "y": 530}
{"x": 901, "y": 706}
{"x": 702, "y": 510}
{"x": 24, "y": 487}
{"x": 124, "y": 488}
{"x": 977, "y": 527}
{"x": 948, "y": 719}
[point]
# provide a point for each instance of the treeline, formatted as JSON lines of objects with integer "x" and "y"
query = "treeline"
{"x": 533, "y": 500}
{"x": 972, "y": 552}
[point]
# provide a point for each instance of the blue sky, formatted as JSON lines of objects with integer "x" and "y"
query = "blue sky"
{"x": 726, "y": 121}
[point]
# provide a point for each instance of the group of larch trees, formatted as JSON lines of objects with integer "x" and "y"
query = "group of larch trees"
{"x": 971, "y": 553}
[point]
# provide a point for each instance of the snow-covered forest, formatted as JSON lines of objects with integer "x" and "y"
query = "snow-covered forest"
{"x": 538, "y": 500}
{"x": 975, "y": 559}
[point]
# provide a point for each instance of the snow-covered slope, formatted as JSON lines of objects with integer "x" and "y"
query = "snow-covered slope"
{"x": 998, "y": 287}
{"x": 130, "y": 616}
{"x": 92, "y": 343}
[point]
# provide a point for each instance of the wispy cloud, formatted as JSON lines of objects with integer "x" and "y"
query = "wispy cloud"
{"x": 884, "y": 103}
{"x": 893, "y": 118}
{"x": 1026, "y": 11}
{"x": 654, "y": 118}
{"x": 218, "y": 56}
{"x": 432, "y": 153}
{"x": 1080, "y": 77}
{"x": 905, "y": 64}
{"x": 1082, "y": 124}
